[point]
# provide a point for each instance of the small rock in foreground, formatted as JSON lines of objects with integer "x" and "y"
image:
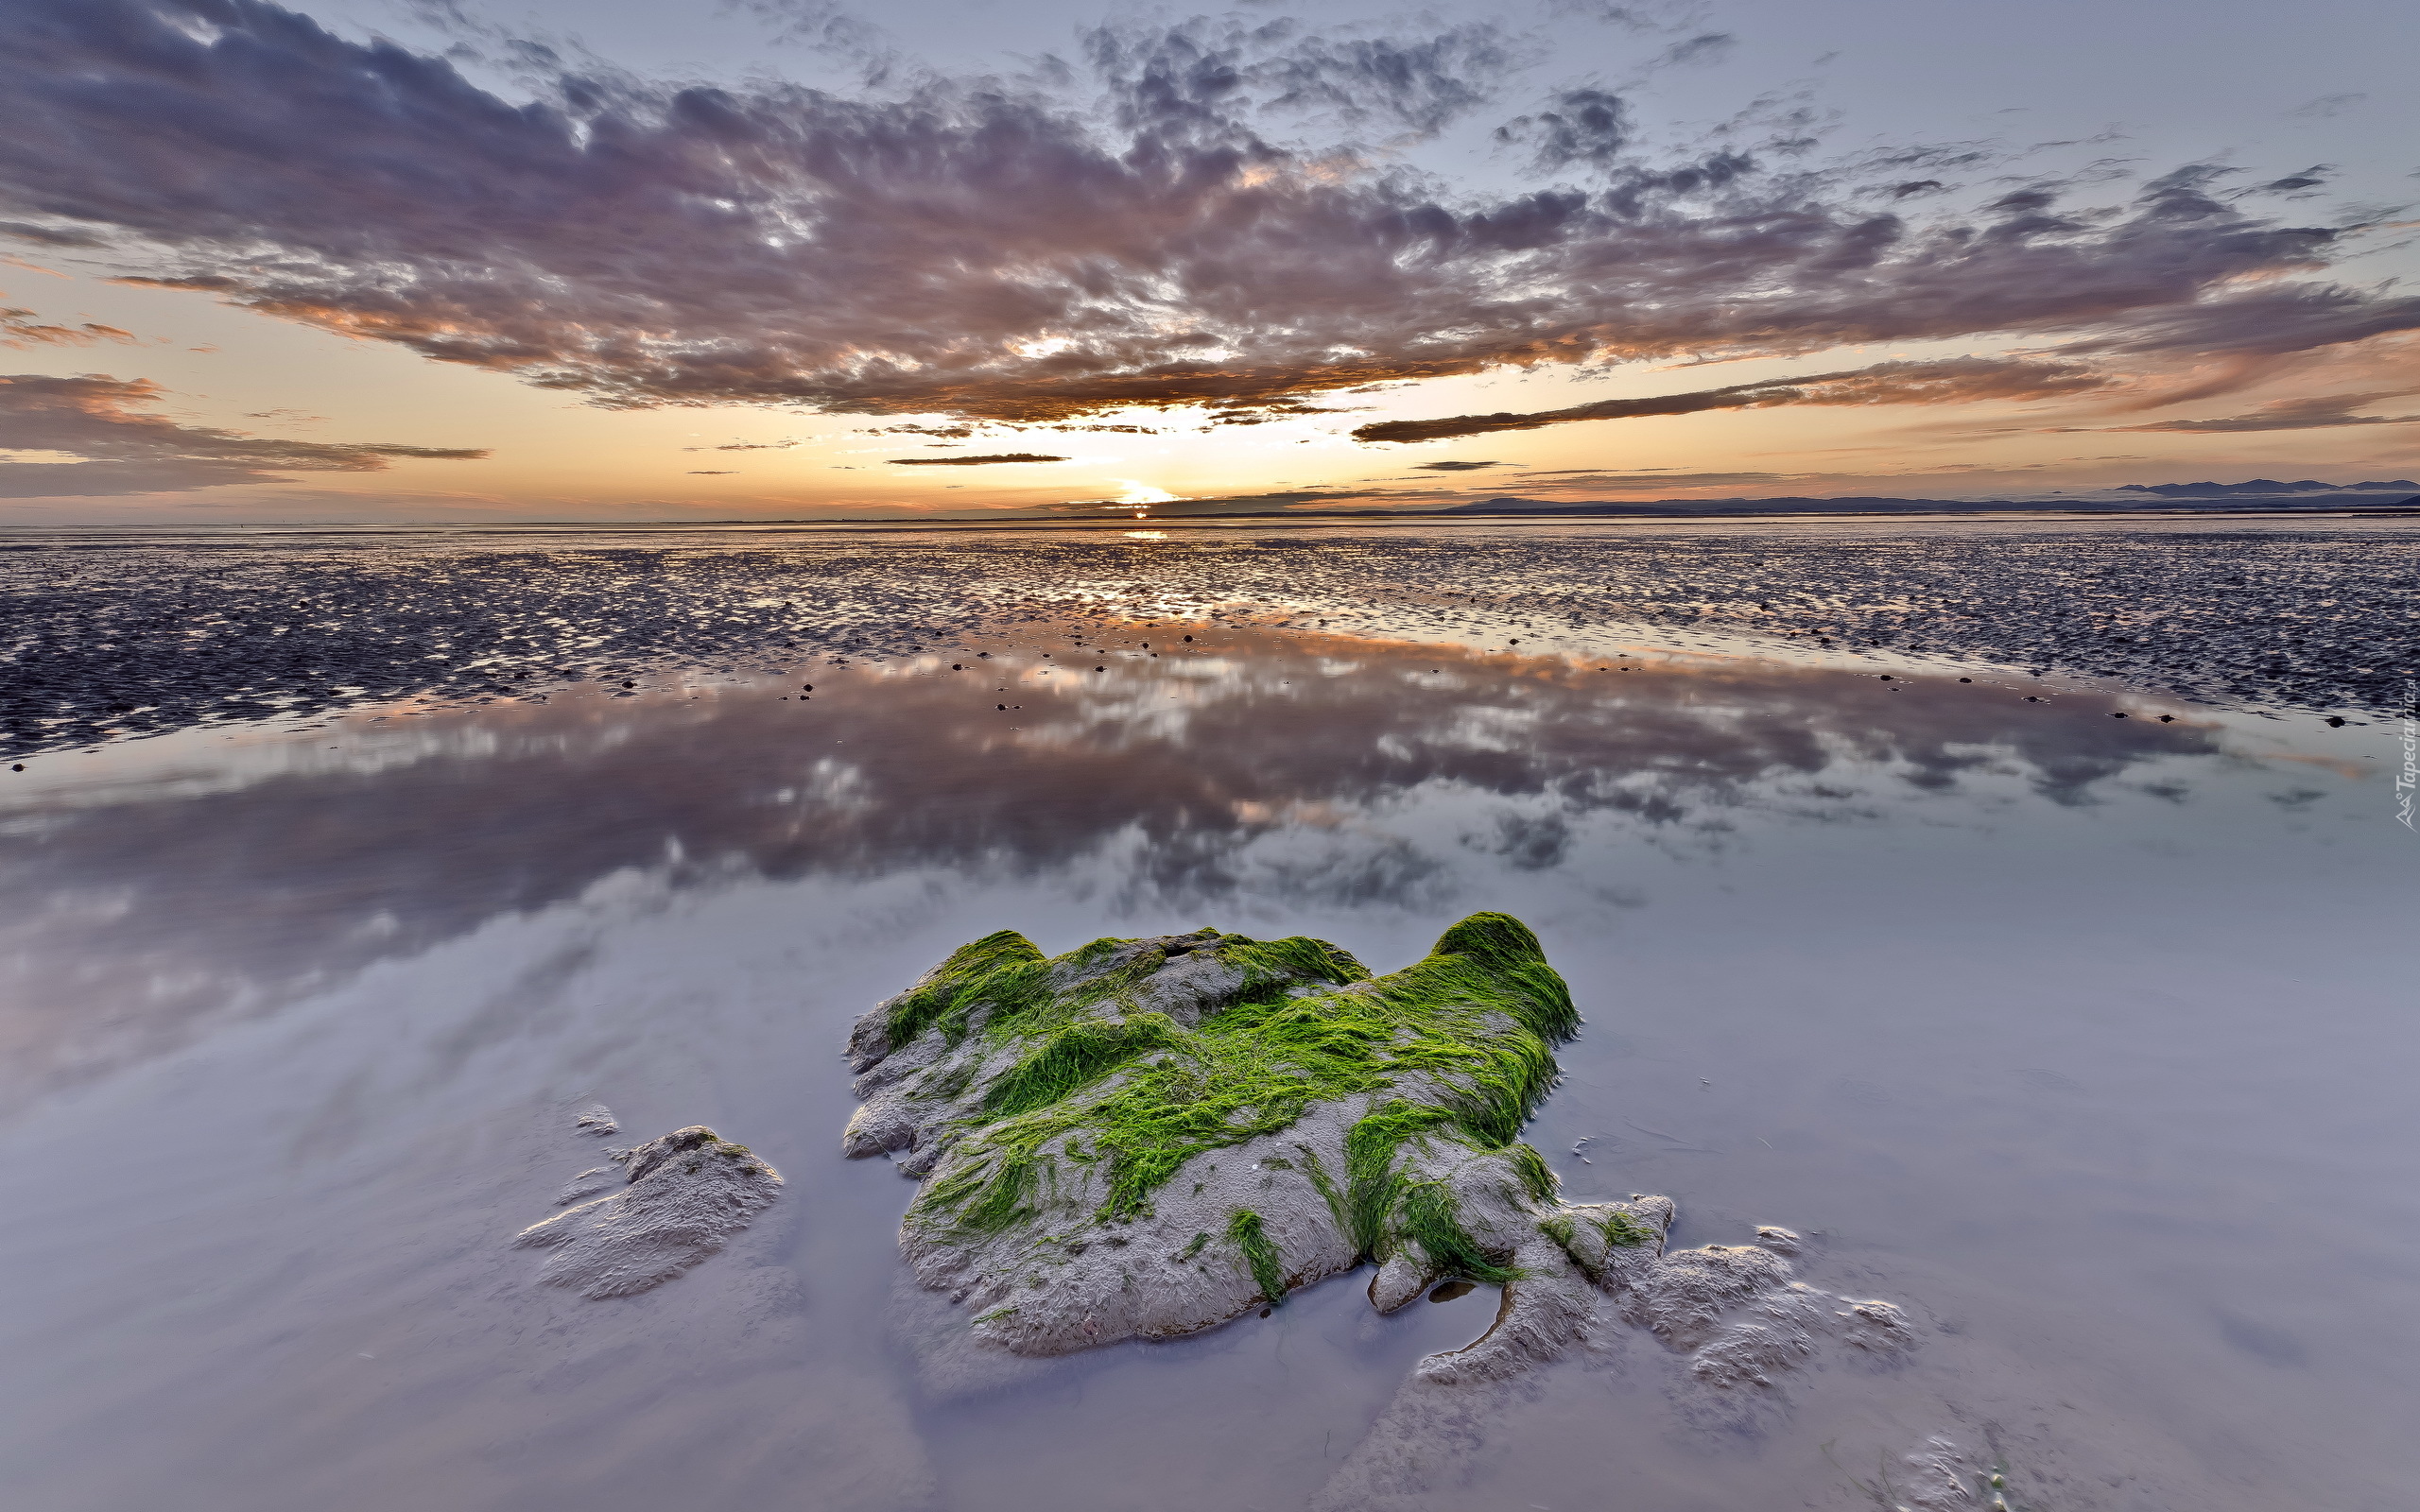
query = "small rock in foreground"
{"x": 685, "y": 1194}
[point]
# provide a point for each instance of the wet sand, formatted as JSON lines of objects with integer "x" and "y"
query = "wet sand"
{"x": 129, "y": 633}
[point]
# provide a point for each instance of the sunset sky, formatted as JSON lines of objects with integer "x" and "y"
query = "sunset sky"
{"x": 376, "y": 260}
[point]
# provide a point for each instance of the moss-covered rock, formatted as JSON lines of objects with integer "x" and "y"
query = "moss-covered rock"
{"x": 1146, "y": 1136}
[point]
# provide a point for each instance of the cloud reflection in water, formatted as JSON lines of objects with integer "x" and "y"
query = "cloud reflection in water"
{"x": 1269, "y": 771}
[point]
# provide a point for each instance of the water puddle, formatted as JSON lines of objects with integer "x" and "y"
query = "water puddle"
{"x": 2077, "y": 1035}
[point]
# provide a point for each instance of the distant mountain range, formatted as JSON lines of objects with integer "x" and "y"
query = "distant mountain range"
{"x": 2265, "y": 486}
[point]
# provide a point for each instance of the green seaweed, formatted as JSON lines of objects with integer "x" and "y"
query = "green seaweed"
{"x": 1003, "y": 1199}
{"x": 1373, "y": 1186}
{"x": 1622, "y": 1231}
{"x": 951, "y": 1082}
{"x": 1006, "y": 970}
{"x": 1475, "y": 1021}
{"x": 1074, "y": 1058}
{"x": 1536, "y": 1179}
{"x": 1268, "y": 1269}
{"x": 948, "y": 1191}
{"x": 1430, "y": 1220}
{"x": 1325, "y": 1185}
{"x": 1564, "y": 1234}
{"x": 1003, "y": 968}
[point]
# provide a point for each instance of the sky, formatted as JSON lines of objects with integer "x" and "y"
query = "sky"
{"x": 453, "y": 259}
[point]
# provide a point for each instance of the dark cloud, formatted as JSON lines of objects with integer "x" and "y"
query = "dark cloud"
{"x": 2317, "y": 413}
{"x": 1955, "y": 380}
{"x": 2327, "y": 105}
{"x": 1454, "y": 467}
{"x": 1586, "y": 126}
{"x": 1666, "y": 16}
{"x": 1593, "y": 478}
{"x": 2298, "y": 185}
{"x": 1262, "y": 412}
{"x": 20, "y": 329}
{"x": 998, "y": 251}
{"x": 2271, "y": 321}
{"x": 1706, "y": 48}
{"x": 94, "y": 418}
{"x": 49, "y": 235}
{"x": 974, "y": 461}
{"x": 825, "y": 25}
{"x": 1420, "y": 85}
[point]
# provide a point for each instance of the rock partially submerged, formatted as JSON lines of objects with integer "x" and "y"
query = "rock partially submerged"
{"x": 1145, "y": 1138}
{"x": 683, "y": 1194}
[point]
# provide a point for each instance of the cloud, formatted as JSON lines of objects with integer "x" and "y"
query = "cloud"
{"x": 1419, "y": 84}
{"x": 18, "y": 330}
{"x": 975, "y": 461}
{"x": 1706, "y": 48}
{"x": 48, "y": 236}
{"x": 1266, "y": 411}
{"x": 2298, "y": 185}
{"x": 1955, "y": 380}
{"x": 1593, "y": 480}
{"x": 94, "y": 418}
{"x": 1588, "y": 126}
{"x": 2317, "y": 413}
{"x": 1009, "y": 251}
{"x": 1454, "y": 467}
{"x": 2327, "y": 105}
{"x": 827, "y": 26}
{"x": 2266, "y": 323}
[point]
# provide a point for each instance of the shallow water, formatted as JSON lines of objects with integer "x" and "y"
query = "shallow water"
{"x": 2083, "y": 1039}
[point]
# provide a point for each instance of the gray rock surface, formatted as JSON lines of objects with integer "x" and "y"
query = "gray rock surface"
{"x": 1146, "y": 1138}
{"x": 683, "y": 1194}
{"x": 594, "y": 1181}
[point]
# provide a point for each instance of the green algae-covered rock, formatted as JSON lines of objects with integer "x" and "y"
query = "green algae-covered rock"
{"x": 1148, "y": 1137}
{"x": 1145, "y": 1138}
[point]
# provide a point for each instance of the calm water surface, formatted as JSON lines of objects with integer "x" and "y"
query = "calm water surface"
{"x": 2086, "y": 1039}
